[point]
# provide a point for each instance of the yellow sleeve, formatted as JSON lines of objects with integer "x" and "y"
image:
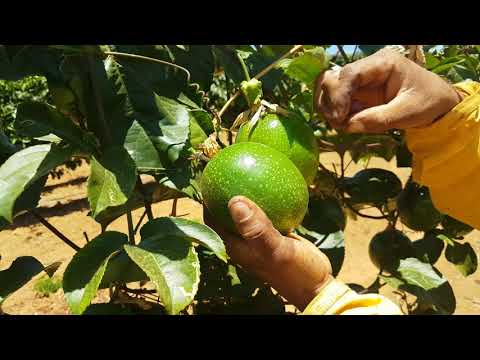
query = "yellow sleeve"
{"x": 336, "y": 298}
{"x": 446, "y": 157}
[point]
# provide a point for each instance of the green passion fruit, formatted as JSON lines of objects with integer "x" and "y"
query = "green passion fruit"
{"x": 388, "y": 247}
{"x": 262, "y": 174}
{"x": 290, "y": 135}
{"x": 416, "y": 209}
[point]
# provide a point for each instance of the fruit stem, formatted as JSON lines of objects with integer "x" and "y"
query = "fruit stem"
{"x": 292, "y": 51}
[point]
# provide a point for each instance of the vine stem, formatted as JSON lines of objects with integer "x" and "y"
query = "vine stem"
{"x": 54, "y": 230}
{"x": 147, "y": 59}
{"x": 174, "y": 207}
{"x": 148, "y": 206}
{"x": 131, "y": 233}
{"x": 140, "y": 221}
{"x": 292, "y": 51}
{"x": 244, "y": 67}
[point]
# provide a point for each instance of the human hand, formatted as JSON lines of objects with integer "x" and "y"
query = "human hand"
{"x": 382, "y": 91}
{"x": 290, "y": 264}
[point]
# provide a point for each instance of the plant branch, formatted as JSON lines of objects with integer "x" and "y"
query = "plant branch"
{"x": 344, "y": 54}
{"x": 131, "y": 233}
{"x": 147, "y": 59}
{"x": 55, "y": 231}
{"x": 174, "y": 207}
{"x": 148, "y": 206}
{"x": 292, "y": 51}
{"x": 140, "y": 221}
{"x": 356, "y": 212}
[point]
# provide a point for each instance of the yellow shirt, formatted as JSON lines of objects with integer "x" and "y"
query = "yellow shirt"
{"x": 446, "y": 159}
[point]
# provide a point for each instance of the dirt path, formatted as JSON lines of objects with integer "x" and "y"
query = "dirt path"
{"x": 27, "y": 237}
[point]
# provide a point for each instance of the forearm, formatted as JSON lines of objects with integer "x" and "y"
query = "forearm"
{"x": 446, "y": 156}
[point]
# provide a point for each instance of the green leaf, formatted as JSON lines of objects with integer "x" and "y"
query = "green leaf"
{"x": 141, "y": 149}
{"x": 441, "y": 298}
{"x": 182, "y": 179}
{"x": 463, "y": 257}
{"x": 307, "y": 67}
{"x": 35, "y": 119}
{"x": 418, "y": 273}
{"x": 152, "y": 193}
{"x": 165, "y": 120}
{"x": 199, "y": 61}
{"x": 121, "y": 269}
{"x": 85, "y": 271}
{"x": 324, "y": 216}
{"x": 201, "y": 126}
{"x": 162, "y": 79}
{"x": 187, "y": 229}
{"x": 332, "y": 245}
{"x": 382, "y": 146}
{"x": 23, "y": 168}
{"x": 226, "y": 58}
{"x": 429, "y": 248}
{"x": 112, "y": 180}
{"x": 172, "y": 265}
{"x": 20, "y": 272}
{"x": 16, "y": 61}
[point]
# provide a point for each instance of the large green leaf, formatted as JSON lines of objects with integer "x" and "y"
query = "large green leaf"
{"x": 112, "y": 180}
{"x": 183, "y": 178}
{"x": 201, "y": 126}
{"x": 442, "y": 298}
{"x": 100, "y": 98}
{"x": 199, "y": 61}
{"x": 23, "y": 168}
{"x": 187, "y": 229}
{"x": 20, "y": 272}
{"x": 165, "y": 120}
{"x": 35, "y": 119}
{"x": 84, "y": 273}
{"x": 16, "y": 61}
{"x": 418, "y": 273}
{"x": 172, "y": 265}
{"x": 163, "y": 79}
{"x": 306, "y": 67}
{"x": 141, "y": 148}
{"x": 462, "y": 256}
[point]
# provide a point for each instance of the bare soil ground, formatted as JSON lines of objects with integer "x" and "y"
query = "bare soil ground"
{"x": 65, "y": 206}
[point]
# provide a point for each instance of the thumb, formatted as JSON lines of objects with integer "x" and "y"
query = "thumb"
{"x": 252, "y": 223}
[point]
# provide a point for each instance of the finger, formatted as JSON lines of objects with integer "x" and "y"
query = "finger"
{"x": 400, "y": 113}
{"x": 372, "y": 71}
{"x": 250, "y": 221}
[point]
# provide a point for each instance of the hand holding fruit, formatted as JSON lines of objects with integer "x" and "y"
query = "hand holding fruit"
{"x": 381, "y": 92}
{"x": 291, "y": 265}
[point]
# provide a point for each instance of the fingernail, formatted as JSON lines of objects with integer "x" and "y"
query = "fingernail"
{"x": 240, "y": 211}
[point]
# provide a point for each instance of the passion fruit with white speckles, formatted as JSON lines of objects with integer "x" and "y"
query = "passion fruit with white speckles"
{"x": 290, "y": 135}
{"x": 262, "y": 174}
